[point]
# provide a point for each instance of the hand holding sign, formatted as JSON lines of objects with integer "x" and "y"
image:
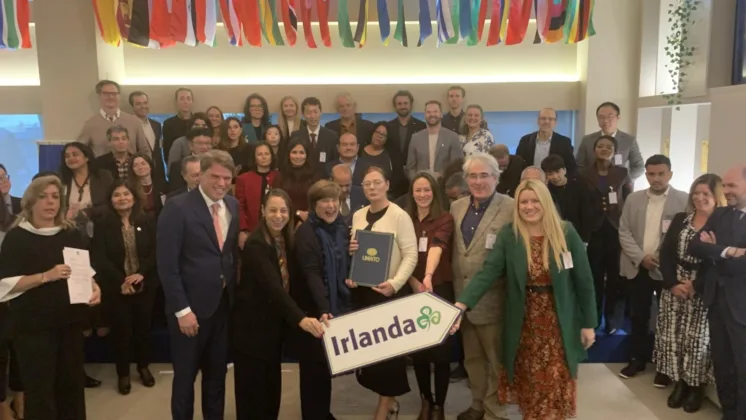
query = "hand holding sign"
{"x": 457, "y": 324}
{"x": 312, "y": 326}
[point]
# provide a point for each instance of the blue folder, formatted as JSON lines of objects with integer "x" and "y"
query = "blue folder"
{"x": 371, "y": 262}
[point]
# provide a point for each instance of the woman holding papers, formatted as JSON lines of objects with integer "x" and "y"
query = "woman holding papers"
{"x": 550, "y": 309}
{"x": 321, "y": 245}
{"x": 434, "y": 228}
{"x": 123, "y": 255}
{"x": 388, "y": 379}
{"x": 264, "y": 313}
{"x": 42, "y": 324}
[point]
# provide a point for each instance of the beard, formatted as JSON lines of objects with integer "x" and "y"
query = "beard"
{"x": 403, "y": 113}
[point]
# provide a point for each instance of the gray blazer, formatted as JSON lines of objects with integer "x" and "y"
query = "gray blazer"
{"x": 628, "y": 148}
{"x": 467, "y": 262}
{"x": 418, "y": 158}
{"x": 632, "y": 228}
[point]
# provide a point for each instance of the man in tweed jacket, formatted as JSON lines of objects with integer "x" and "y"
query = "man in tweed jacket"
{"x": 478, "y": 219}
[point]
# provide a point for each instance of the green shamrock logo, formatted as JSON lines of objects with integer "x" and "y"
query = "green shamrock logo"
{"x": 428, "y": 317}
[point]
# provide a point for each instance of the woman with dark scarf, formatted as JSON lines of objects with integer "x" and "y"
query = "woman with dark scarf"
{"x": 296, "y": 177}
{"x": 321, "y": 253}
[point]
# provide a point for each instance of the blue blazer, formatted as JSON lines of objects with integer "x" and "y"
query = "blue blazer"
{"x": 191, "y": 266}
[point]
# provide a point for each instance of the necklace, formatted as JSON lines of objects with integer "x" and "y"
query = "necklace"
{"x": 81, "y": 188}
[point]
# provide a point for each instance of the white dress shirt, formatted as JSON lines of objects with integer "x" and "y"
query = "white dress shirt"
{"x": 109, "y": 117}
{"x": 224, "y": 219}
{"x": 652, "y": 236}
{"x": 149, "y": 133}
{"x": 725, "y": 251}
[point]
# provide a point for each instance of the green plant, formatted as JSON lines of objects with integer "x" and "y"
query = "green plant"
{"x": 678, "y": 51}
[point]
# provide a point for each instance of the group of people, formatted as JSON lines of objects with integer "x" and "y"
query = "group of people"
{"x": 241, "y": 233}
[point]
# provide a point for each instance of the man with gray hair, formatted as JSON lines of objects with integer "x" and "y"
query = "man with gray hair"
{"x": 478, "y": 218}
{"x": 534, "y": 172}
{"x": 456, "y": 187}
{"x": 350, "y": 121}
{"x": 117, "y": 161}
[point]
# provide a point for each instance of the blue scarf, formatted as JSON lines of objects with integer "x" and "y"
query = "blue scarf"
{"x": 335, "y": 241}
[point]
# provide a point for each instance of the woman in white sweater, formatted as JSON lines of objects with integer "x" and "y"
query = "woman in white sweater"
{"x": 389, "y": 378}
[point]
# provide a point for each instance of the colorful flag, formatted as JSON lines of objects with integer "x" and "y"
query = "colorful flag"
{"x": 139, "y": 33}
{"x": 455, "y": 19}
{"x": 289, "y": 20}
{"x": 426, "y": 27}
{"x": 160, "y": 22}
{"x": 205, "y": 21}
{"x": 384, "y": 25}
{"x": 361, "y": 31}
{"x": 305, "y": 15}
{"x": 400, "y": 34}
{"x": 248, "y": 12}
{"x": 14, "y": 24}
{"x": 520, "y": 13}
{"x": 541, "y": 11}
{"x": 322, "y": 11}
{"x": 265, "y": 17}
{"x": 465, "y": 19}
{"x": 123, "y": 18}
{"x": 231, "y": 22}
{"x": 571, "y": 18}
{"x": 557, "y": 15}
{"x": 106, "y": 19}
{"x": 496, "y": 21}
{"x": 478, "y": 17}
{"x": 445, "y": 22}
{"x": 585, "y": 12}
{"x": 343, "y": 21}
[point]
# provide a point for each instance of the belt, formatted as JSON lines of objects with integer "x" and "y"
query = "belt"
{"x": 540, "y": 289}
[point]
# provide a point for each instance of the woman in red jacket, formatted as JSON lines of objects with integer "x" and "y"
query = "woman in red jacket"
{"x": 251, "y": 188}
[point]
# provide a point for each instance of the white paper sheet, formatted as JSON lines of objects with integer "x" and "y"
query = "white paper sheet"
{"x": 80, "y": 282}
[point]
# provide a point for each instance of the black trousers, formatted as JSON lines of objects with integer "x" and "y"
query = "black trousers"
{"x": 206, "y": 352}
{"x": 603, "y": 255}
{"x": 130, "y": 319}
{"x": 50, "y": 363}
{"x": 728, "y": 340}
{"x": 258, "y": 385}
{"x": 641, "y": 290}
{"x": 315, "y": 390}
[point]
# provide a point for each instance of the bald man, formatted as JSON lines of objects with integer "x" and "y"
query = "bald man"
{"x": 722, "y": 245}
{"x": 536, "y": 146}
{"x": 347, "y": 149}
{"x": 534, "y": 172}
{"x": 510, "y": 169}
{"x": 352, "y": 198}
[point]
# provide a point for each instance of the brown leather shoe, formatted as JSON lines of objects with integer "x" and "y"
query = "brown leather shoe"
{"x": 146, "y": 377}
{"x": 471, "y": 414}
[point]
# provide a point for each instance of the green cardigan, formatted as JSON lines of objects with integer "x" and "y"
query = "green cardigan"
{"x": 574, "y": 295}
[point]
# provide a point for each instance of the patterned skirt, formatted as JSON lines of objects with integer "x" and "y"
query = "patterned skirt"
{"x": 542, "y": 386}
{"x": 682, "y": 340}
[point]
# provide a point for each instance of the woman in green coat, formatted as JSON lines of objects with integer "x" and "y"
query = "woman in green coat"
{"x": 550, "y": 306}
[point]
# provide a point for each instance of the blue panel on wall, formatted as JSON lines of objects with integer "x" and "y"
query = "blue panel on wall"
{"x": 18, "y": 137}
{"x": 506, "y": 127}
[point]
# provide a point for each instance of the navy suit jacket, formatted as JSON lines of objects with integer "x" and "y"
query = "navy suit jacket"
{"x": 728, "y": 273}
{"x": 191, "y": 266}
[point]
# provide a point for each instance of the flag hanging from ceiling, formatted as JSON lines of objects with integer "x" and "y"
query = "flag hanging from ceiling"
{"x": 14, "y": 24}
{"x": 361, "y": 31}
{"x": 478, "y": 17}
{"x": 384, "y": 25}
{"x": 139, "y": 32}
{"x": 231, "y": 22}
{"x": 557, "y": 14}
{"x": 343, "y": 22}
{"x": 159, "y": 30}
{"x": 206, "y": 20}
{"x": 400, "y": 34}
{"x": 322, "y": 11}
{"x": 445, "y": 22}
{"x": 456, "y": 21}
{"x": 571, "y": 20}
{"x": 585, "y": 12}
{"x": 106, "y": 19}
{"x": 270, "y": 27}
{"x": 426, "y": 27}
{"x": 465, "y": 19}
{"x": 182, "y": 25}
{"x": 520, "y": 13}
{"x": 123, "y": 18}
{"x": 289, "y": 20}
{"x": 305, "y": 14}
{"x": 248, "y": 12}
{"x": 541, "y": 11}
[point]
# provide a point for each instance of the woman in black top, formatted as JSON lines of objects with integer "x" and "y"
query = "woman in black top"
{"x": 42, "y": 324}
{"x": 264, "y": 313}
{"x": 123, "y": 255}
{"x": 375, "y": 152}
{"x": 321, "y": 245}
{"x": 296, "y": 177}
{"x": 150, "y": 189}
{"x": 233, "y": 141}
{"x": 256, "y": 118}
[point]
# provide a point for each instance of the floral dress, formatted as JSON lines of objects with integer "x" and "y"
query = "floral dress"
{"x": 480, "y": 142}
{"x": 542, "y": 386}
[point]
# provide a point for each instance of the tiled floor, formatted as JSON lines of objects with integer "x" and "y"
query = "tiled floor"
{"x": 601, "y": 395}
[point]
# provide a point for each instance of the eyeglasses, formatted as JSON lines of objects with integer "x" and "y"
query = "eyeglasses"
{"x": 606, "y": 117}
{"x": 384, "y": 135}
{"x": 547, "y": 119}
{"x": 110, "y": 94}
{"x": 376, "y": 183}
{"x": 4, "y": 178}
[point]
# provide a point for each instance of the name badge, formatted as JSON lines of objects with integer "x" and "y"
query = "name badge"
{"x": 322, "y": 157}
{"x": 618, "y": 159}
{"x": 612, "y": 198}
{"x": 567, "y": 260}
{"x": 665, "y": 224}
{"x": 423, "y": 244}
{"x": 491, "y": 238}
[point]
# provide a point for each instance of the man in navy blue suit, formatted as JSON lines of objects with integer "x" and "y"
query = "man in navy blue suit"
{"x": 196, "y": 250}
{"x": 722, "y": 244}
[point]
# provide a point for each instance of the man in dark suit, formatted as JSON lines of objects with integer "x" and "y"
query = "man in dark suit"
{"x": 722, "y": 244}
{"x": 153, "y": 131}
{"x": 348, "y": 155}
{"x": 197, "y": 246}
{"x": 535, "y": 147}
{"x": 190, "y": 174}
{"x": 351, "y": 122}
{"x": 117, "y": 161}
{"x": 178, "y": 125}
{"x": 11, "y": 206}
{"x": 511, "y": 167}
{"x": 400, "y": 131}
{"x": 321, "y": 141}
{"x": 452, "y": 119}
{"x": 352, "y": 198}
{"x": 200, "y": 141}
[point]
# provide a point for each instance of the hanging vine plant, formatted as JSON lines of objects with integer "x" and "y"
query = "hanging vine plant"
{"x": 678, "y": 51}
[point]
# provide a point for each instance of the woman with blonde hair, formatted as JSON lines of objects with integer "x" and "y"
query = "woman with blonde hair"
{"x": 473, "y": 133}
{"x": 41, "y": 323}
{"x": 550, "y": 307}
{"x": 216, "y": 117}
{"x": 288, "y": 118}
{"x": 682, "y": 338}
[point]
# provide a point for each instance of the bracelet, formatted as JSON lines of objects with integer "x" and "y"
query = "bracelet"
{"x": 42, "y": 279}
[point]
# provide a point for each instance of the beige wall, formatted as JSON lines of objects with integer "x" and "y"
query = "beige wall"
{"x": 727, "y": 141}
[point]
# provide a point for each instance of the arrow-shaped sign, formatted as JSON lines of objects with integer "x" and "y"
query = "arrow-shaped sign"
{"x": 388, "y": 330}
